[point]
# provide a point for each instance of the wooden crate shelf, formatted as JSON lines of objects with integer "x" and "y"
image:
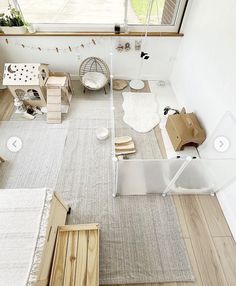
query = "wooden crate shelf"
{"x": 76, "y": 258}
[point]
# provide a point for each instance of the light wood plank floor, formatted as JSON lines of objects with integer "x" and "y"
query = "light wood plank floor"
{"x": 211, "y": 248}
{"x": 6, "y": 105}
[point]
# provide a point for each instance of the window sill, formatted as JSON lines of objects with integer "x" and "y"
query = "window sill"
{"x": 94, "y": 34}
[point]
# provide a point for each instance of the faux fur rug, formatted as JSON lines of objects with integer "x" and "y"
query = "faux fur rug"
{"x": 141, "y": 111}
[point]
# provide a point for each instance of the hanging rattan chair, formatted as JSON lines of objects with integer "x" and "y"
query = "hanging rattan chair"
{"x": 94, "y": 74}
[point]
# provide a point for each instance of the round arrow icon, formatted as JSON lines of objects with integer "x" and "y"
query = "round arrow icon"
{"x": 14, "y": 144}
{"x": 221, "y": 144}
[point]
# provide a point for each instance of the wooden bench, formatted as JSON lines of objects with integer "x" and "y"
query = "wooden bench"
{"x": 76, "y": 257}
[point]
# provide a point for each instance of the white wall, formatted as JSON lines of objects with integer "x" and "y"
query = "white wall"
{"x": 204, "y": 74}
{"x": 162, "y": 51}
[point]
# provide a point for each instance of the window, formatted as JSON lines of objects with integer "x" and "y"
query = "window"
{"x": 73, "y": 11}
{"x": 165, "y": 15}
{"x": 162, "y": 12}
{"x": 100, "y": 15}
{"x": 137, "y": 12}
{"x": 4, "y": 6}
{"x": 33, "y": 94}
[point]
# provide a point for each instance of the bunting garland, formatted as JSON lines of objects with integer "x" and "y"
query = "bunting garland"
{"x": 58, "y": 50}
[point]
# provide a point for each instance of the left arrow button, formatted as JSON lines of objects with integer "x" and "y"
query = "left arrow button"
{"x": 14, "y": 144}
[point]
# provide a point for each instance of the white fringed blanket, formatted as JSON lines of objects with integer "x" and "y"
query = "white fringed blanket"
{"x": 23, "y": 223}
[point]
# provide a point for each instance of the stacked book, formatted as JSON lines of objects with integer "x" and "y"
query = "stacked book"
{"x": 124, "y": 145}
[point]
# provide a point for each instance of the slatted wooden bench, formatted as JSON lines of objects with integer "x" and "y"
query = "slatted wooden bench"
{"x": 76, "y": 257}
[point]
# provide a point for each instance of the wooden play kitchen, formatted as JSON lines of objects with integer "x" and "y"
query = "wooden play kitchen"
{"x": 35, "y": 85}
{"x": 76, "y": 257}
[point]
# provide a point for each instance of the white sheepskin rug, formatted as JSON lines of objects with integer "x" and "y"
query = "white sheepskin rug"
{"x": 141, "y": 111}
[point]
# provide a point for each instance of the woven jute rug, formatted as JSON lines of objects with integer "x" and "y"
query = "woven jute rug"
{"x": 140, "y": 235}
{"x": 141, "y": 240}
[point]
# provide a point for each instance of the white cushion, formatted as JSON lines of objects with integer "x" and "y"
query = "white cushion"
{"x": 94, "y": 80}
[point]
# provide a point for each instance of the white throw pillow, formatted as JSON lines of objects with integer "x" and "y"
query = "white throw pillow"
{"x": 94, "y": 80}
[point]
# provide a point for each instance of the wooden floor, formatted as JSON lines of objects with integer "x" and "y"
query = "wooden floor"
{"x": 211, "y": 248}
{"x": 210, "y": 245}
{"x": 6, "y": 105}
